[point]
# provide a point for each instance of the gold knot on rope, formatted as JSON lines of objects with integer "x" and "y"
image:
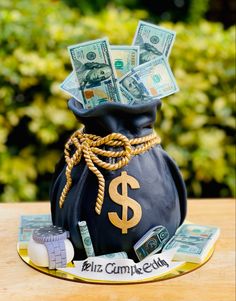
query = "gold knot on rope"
{"x": 89, "y": 146}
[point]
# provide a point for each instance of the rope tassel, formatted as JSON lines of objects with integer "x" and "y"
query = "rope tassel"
{"x": 89, "y": 146}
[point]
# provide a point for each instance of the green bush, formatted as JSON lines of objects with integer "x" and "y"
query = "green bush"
{"x": 189, "y": 11}
{"x": 196, "y": 124}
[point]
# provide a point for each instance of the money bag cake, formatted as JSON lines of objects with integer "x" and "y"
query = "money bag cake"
{"x": 116, "y": 177}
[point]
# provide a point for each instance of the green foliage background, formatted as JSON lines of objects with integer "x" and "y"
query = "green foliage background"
{"x": 196, "y": 124}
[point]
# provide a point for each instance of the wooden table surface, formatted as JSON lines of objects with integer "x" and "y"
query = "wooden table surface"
{"x": 213, "y": 281}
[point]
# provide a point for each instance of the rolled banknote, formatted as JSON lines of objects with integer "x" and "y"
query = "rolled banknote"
{"x": 153, "y": 79}
{"x": 87, "y": 242}
{"x": 153, "y": 40}
{"x": 193, "y": 242}
{"x": 117, "y": 255}
{"x": 152, "y": 242}
{"x": 124, "y": 58}
{"x": 94, "y": 70}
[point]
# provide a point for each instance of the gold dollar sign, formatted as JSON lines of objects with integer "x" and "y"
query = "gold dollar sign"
{"x": 122, "y": 199}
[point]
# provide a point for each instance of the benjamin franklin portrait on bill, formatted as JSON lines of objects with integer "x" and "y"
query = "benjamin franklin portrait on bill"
{"x": 92, "y": 73}
{"x": 133, "y": 87}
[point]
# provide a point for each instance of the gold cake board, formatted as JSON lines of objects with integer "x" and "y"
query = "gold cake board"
{"x": 185, "y": 268}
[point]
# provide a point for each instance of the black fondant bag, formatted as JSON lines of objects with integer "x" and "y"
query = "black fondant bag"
{"x": 117, "y": 178}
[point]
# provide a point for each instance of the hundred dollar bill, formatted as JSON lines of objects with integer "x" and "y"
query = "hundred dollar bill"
{"x": 87, "y": 242}
{"x": 153, "y": 79}
{"x": 71, "y": 86}
{"x": 27, "y": 225}
{"x": 124, "y": 58}
{"x": 193, "y": 242}
{"x": 152, "y": 242}
{"x": 94, "y": 70}
{"x": 153, "y": 40}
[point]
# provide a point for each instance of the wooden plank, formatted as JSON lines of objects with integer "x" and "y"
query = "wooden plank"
{"x": 213, "y": 281}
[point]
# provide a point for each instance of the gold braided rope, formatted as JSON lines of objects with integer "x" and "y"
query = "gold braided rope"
{"x": 89, "y": 145}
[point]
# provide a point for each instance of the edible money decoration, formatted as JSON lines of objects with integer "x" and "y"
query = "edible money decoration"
{"x": 28, "y": 223}
{"x": 86, "y": 239}
{"x": 152, "y": 242}
{"x": 125, "y": 74}
{"x": 193, "y": 242}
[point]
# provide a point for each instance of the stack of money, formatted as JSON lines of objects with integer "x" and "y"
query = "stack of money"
{"x": 193, "y": 242}
{"x": 125, "y": 74}
{"x": 28, "y": 223}
{"x": 152, "y": 242}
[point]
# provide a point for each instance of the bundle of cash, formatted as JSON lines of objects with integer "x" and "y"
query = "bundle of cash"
{"x": 126, "y": 74}
{"x": 124, "y": 59}
{"x": 193, "y": 242}
{"x": 28, "y": 223}
{"x": 152, "y": 242}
